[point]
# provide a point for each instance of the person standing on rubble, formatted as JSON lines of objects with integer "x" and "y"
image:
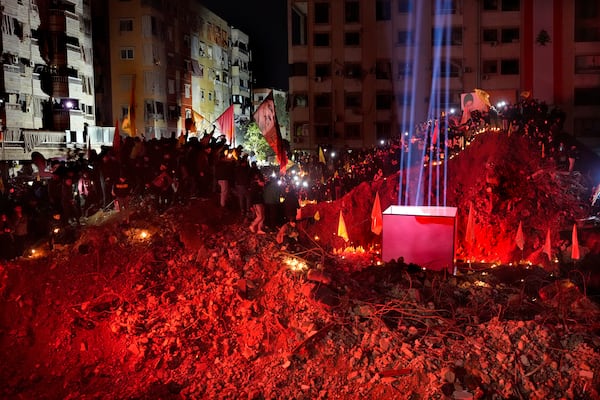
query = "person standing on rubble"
{"x": 257, "y": 185}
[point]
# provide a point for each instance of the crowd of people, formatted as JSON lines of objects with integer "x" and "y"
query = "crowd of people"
{"x": 161, "y": 172}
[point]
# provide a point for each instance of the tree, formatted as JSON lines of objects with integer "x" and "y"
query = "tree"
{"x": 254, "y": 141}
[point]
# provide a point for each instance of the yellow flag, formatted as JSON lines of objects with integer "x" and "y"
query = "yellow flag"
{"x": 342, "y": 232}
{"x": 322, "y": 156}
{"x": 317, "y": 216}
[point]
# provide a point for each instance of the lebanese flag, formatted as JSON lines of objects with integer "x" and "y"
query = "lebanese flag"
{"x": 436, "y": 132}
{"x": 266, "y": 119}
{"x": 376, "y": 216}
{"x": 520, "y": 239}
{"x": 226, "y": 125}
{"x": 342, "y": 231}
{"x": 116, "y": 145}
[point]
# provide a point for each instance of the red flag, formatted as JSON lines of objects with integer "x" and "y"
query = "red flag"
{"x": 548, "y": 246}
{"x": 436, "y": 132}
{"x": 116, "y": 145}
{"x": 520, "y": 239}
{"x": 376, "y": 216}
{"x": 266, "y": 119}
{"x": 226, "y": 125}
{"x": 575, "y": 244}
{"x": 342, "y": 232}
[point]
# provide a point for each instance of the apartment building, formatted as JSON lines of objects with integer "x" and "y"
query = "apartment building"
{"x": 174, "y": 64}
{"x": 362, "y": 70}
{"x": 47, "y": 78}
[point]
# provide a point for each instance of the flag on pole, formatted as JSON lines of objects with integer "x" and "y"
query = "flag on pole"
{"x": 376, "y": 216}
{"x": 266, "y": 119}
{"x": 342, "y": 232}
{"x": 227, "y": 126}
{"x": 470, "y": 231}
{"x": 128, "y": 124}
{"x": 436, "y": 132}
{"x": 322, "y": 156}
{"x": 483, "y": 96}
{"x": 575, "y": 244}
{"x": 317, "y": 216}
{"x": 520, "y": 239}
{"x": 548, "y": 246}
{"x": 116, "y": 145}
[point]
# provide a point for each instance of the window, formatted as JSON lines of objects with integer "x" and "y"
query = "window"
{"x": 490, "y": 5}
{"x": 384, "y": 130}
{"x": 127, "y": 53}
{"x": 511, "y": 5}
{"x": 587, "y": 64}
{"x": 447, "y": 69}
{"x": 352, "y": 131}
{"x": 446, "y": 37}
{"x": 404, "y": 69}
{"x": 299, "y": 69}
{"x": 586, "y": 126}
{"x": 298, "y": 27}
{"x": 510, "y": 35}
{"x": 323, "y": 100}
{"x": 445, "y": 7}
{"x": 322, "y": 39}
{"x": 300, "y": 100}
{"x": 352, "y": 39}
{"x": 489, "y": 66}
{"x": 587, "y": 34}
{"x": 509, "y": 67}
{"x": 383, "y": 69}
{"x": 187, "y": 89}
{"x": 352, "y": 11}
{"x": 383, "y": 101}
{"x": 126, "y": 25}
{"x": 383, "y": 10}
{"x": 405, "y": 38}
{"x": 490, "y": 36}
{"x": 323, "y": 130}
{"x": 353, "y": 70}
{"x": 587, "y": 96}
{"x": 322, "y": 70}
{"x": 403, "y": 99}
{"x": 585, "y": 9}
{"x": 321, "y": 13}
{"x": 353, "y": 100}
{"x": 405, "y": 6}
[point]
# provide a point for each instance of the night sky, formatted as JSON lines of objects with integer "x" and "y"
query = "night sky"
{"x": 265, "y": 21}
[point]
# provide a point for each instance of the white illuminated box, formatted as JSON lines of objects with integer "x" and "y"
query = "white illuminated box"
{"x": 422, "y": 235}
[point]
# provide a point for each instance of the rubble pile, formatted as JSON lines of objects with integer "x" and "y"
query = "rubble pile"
{"x": 190, "y": 304}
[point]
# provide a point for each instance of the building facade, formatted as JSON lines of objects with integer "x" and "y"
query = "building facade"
{"x": 385, "y": 65}
{"x": 47, "y": 79}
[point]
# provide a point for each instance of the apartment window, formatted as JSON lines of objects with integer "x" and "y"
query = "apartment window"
{"x": 405, "y": 6}
{"x": 353, "y": 100}
{"x": 446, "y": 37}
{"x": 202, "y": 97}
{"x": 126, "y": 25}
{"x": 445, "y": 7}
{"x": 404, "y": 69}
{"x": 323, "y": 100}
{"x": 403, "y": 99}
{"x": 352, "y": 11}
{"x": 383, "y": 69}
{"x": 127, "y": 53}
{"x": 383, "y": 10}
{"x": 321, "y": 13}
{"x": 322, "y": 39}
{"x": 353, "y": 70}
{"x": 299, "y": 69}
{"x": 587, "y": 64}
{"x": 383, "y": 101}
{"x": 299, "y": 28}
{"x": 586, "y": 9}
{"x": 510, "y": 35}
{"x": 587, "y": 96}
{"x": 405, "y": 38}
{"x": 509, "y": 67}
{"x": 587, "y": 34}
{"x": 447, "y": 69}
{"x": 384, "y": 129}
{"x": 490, "y": 5}
{"x": 489, "y": 66}
{"x": 490, "y": 35}
{"x": 511, "y": 5}
{"x": 322, "y": 71}
{"x": 323, "y": 130}
{"x": 351, "y": 38}
{"x": 352, "y": 131}
{"x": 300, "y": 100}
{"x": 586, "y": 126}
{"x": 187, "y": 89}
